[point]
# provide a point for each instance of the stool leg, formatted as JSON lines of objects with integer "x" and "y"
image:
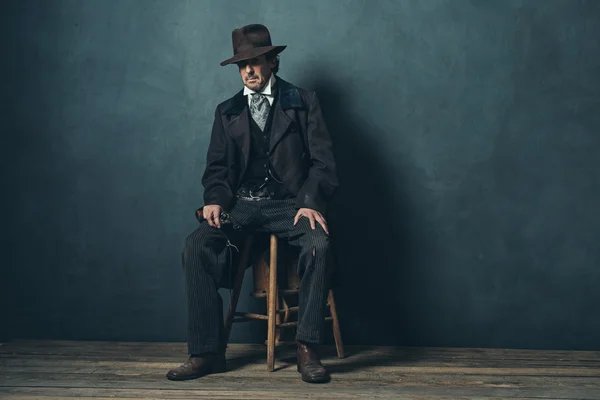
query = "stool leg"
{"x": 278, "y": 319}
{"x": 271, "y": 306}
{"x": 336, "y": 326}
{"x": 237, "y": 287}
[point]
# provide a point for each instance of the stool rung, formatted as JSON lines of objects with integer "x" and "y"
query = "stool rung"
{"x": 282, "y": 343}
{"x": 295, "y": 309}
{"x": 295, "y": 323}
{"x": 262, "y": 294}
{"x": 250, "y": 316}
{"x": 266, "y": 317}
{"x": 245, "y": 317}
{"x": 290, "y": 309}
{"x": 263, "y": 316}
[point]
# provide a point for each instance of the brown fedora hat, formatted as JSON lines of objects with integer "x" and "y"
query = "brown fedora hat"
{"x": 251, "y": 41}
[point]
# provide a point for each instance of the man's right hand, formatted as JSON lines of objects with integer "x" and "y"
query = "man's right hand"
{"x": 212, "y": 213}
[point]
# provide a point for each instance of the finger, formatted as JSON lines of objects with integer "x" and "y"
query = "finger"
{"x": 214, "y": 216}
{"x": 322, "y": 222}
{"x": 312, "y": 221}
{"x": 297, "y": 218}
{"x": 209, "y": 220}
{"x": 217, "y": 219}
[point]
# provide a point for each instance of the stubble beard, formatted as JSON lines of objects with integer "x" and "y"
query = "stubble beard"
{"x": 256, "y": 85}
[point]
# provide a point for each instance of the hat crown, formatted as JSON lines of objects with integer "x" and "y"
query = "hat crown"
{"x": 250, "y": 37}
{"x": 251, "y": 41}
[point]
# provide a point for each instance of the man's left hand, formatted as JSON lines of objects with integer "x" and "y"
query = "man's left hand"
{"x": 312, "y": 216}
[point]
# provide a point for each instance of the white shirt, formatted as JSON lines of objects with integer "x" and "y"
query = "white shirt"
{"x": 266, "y": 90}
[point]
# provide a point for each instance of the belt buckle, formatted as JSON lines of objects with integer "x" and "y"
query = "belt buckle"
{"x": 257, "y": 198}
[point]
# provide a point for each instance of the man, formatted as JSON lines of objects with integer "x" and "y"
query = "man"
{"x": 270, "y": 168}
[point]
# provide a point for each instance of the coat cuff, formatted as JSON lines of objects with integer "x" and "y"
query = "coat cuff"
{"x": 304, "y": 200}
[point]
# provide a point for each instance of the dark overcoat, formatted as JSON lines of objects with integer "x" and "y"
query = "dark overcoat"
{"x": 300, "y": 149}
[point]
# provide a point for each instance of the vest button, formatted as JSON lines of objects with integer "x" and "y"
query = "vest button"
{"x": 265, "y": 165}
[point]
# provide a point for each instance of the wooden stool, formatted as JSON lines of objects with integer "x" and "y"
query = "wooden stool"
{"x": 266, "y": 286}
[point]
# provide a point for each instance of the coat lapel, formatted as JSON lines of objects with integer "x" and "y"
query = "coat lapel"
{"x": 239, "y": 123}
{"x": 289, "y": 98}
{"x": 280, "y": 125}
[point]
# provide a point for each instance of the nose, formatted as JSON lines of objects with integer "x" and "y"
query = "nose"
{"x": 249, "y": 69}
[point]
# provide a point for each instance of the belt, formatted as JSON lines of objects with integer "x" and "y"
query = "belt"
{"x": 262, "y": 193}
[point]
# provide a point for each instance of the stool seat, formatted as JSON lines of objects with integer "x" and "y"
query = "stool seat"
{"x": 267, "y": 283}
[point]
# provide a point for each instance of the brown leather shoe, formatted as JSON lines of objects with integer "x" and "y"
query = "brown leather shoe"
{"x": 195, "y": 367}
{"x": 309, "y": 364}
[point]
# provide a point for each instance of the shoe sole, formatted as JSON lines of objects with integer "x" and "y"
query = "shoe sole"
{"x": 217, "y": 369}
{"x": 184, "y": 378}
{"x": 326, "y": 380}
{"x": 323, "y": 379}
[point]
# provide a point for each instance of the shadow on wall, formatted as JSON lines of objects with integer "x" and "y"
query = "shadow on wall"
{"x": 372, "y": 228}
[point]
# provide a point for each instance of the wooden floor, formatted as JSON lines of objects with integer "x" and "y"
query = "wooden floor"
{"x": 109, "y": 370}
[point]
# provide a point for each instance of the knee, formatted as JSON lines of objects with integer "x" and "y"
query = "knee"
{"x": 195, "y": 240}
{"x": 317, "y": 243}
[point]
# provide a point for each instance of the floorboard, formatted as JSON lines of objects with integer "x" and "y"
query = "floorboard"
{"x": 31, "y": 369}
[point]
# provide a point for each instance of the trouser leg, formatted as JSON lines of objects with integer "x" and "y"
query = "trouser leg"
{"x": 204, "y": 258}
{"x": 313, "y": 269}
{"x": 314, "y": 272}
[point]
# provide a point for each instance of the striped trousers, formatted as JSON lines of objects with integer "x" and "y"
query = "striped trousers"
{"x": 206, "y": 258}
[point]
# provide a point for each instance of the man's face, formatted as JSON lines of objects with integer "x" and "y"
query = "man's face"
{"x": 256, "y": 72}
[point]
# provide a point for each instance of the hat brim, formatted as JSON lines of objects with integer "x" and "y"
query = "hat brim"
{"x": 251, "y": 53}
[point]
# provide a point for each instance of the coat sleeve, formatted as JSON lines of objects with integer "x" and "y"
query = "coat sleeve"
{"x": 216, "y": 185}
{"x": 322, "y": 181}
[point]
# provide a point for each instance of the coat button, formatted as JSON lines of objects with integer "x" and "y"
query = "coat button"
{"x": 265, "y": 165}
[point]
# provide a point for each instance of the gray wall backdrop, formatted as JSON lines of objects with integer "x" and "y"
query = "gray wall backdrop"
{"x": 466, "y": 134}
